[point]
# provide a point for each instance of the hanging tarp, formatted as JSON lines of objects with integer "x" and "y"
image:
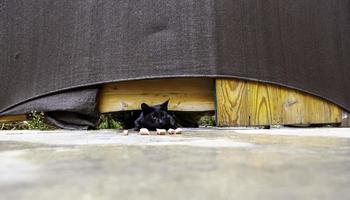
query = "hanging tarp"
{"x": 49, "y": 46}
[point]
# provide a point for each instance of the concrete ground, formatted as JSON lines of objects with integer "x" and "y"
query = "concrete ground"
{"x": 199, "y": 164}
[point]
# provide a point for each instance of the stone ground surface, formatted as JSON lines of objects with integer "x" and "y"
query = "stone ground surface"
{"x": 199, "y": 164}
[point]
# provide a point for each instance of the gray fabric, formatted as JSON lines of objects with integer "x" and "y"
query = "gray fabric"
{"x": 52, "y": 45}
{"x": 75, "y": 109}
{"x": 71, "y": 121}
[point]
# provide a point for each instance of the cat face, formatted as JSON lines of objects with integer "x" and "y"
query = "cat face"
{"x": 156, "y": 117}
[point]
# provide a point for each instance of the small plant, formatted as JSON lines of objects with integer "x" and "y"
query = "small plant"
{"x": 207, "y": 120}
{"x": 22, "y": 125}
{"x": 36, "y": 121}
{"x": 107, "y": 122}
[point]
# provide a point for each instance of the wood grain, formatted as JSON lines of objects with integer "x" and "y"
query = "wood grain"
{"x": 232, "y": 102}
{"x": 185, "y": 94}
{"x": 248, "y": 103}
{"x": 13, "y": 118}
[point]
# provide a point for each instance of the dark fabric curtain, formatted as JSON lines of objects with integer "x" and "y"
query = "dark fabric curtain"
{"x": 74, "y": 109}
{"x": 50, "y": 46}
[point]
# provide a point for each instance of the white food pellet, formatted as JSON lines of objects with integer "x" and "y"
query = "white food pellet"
{"x": 125, "y": 132}
{"x": 178, "y": 131}
{"x": 161, "y": 131}
{"x": 171, "y": 131}
{"x": 144, "y": 131}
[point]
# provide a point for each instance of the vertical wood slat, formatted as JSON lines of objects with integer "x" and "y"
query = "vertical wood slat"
{"x": 248, "y": 103}
{"x": 345, "y": 119}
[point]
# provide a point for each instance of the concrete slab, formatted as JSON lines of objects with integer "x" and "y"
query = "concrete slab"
{"x": 199, "y": 164}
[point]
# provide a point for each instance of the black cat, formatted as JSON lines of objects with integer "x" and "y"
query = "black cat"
{"x": 155, "y": 117}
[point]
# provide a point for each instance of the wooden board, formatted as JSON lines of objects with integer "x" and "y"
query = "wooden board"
{"x": 185, "y": 94}
{"x": 13, "y": 118}
{"x": 247, "y": 103}
{"x": 345, "y": 119}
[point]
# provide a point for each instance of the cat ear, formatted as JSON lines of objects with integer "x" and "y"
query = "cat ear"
{"x": 164, "y": 106}
{"x": 146, "y": 108}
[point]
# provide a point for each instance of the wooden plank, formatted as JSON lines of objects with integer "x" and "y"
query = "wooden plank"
{"x": 303, "y": 108}
{"x": 345, "y": 119}
{"x": 232, "y": 102}
{"x": 185, "y": 94}
{"x": 264, "y": 104}
{"x": 13, "y": 118}
{"x": 267, "y": 104}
